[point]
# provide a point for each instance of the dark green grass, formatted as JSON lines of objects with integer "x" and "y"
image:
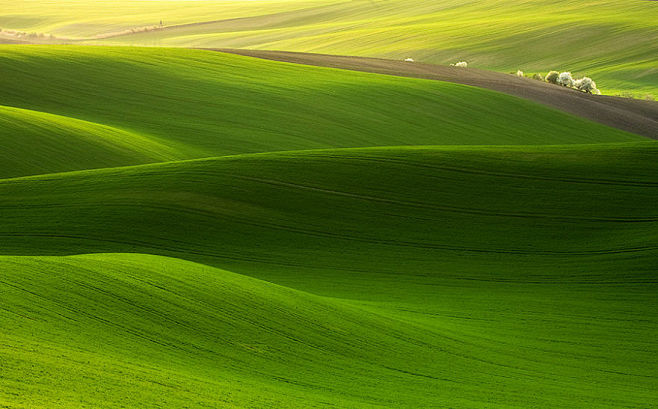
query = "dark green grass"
{"x": 452, "y": 277}
{"x": 185, "y": 104}
{"x": 462, "y": 203}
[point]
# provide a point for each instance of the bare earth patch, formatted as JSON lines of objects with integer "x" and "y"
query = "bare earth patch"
{"x": 632, "y": 115}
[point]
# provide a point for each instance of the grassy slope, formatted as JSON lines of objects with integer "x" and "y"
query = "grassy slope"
{"x": 494, "y": 277}
{"x": 401, "y": 277}
{"x": 613, "y": 41}
{"x": 155, "y": 331}
{"x": 82, "y": 19}
{"x": 424, "y": 203}
{"x": 184, "y": 104}
{"x": 36, "y": 142}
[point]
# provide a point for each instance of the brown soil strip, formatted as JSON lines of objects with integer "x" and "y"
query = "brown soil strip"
{"x": 632, "y": 115}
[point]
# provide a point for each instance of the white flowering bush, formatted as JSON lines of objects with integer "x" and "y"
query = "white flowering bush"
{"x": 586, "y": 84}
{"x": 565, "y": 79}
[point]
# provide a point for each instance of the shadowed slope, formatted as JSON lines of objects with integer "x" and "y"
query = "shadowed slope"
{"x": 519, "y": 211}
{"x": 631, "y": 115}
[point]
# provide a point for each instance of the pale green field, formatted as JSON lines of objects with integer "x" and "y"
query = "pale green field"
{"x": 76, "y": 19}
{"x": 615, "y": 42}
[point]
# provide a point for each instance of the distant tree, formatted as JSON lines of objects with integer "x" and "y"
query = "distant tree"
{"x": 565, "y": 79}
{"x": 552, "y": 77}
{"x": 586, "y": 84}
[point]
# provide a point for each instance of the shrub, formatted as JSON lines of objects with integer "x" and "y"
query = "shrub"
{"x": 565, "y": 79}
{"x": 552, "y": 77}
{"x": 538, "y": 77}
{"x": 585, "y": 84}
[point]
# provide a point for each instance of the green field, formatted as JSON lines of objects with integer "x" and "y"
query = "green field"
{"x": 614, "y": 42}
{"x": 190, "y": 229}
{"x": 397, "y": 283}
{"x": 135, "y": 105}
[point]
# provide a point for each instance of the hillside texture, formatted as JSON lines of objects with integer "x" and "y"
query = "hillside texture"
{"x": 192, "y": 229}
{"x": 612, "y": 41}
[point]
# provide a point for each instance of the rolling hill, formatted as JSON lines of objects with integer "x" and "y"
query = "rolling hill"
{"x": 510, "y": 277}
{"x": 628, "y": 114}
{"x": 37, "y": 142}
{"x": 186, "y": 104}
{"x": 611, "y": 41}
{"x": 186, "y": 228}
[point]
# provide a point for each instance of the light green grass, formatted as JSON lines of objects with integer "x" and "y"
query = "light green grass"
{"x": 81, "y": 19}
{"x": 36, "y": 142}
{"x": 160, "y": 104}
{"x": 610, "y": 40}
{"x": 145, "y": 331}
{"x": 475, "y": 277}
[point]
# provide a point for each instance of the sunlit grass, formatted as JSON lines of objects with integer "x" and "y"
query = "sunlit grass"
{"x": 605, "y": 39}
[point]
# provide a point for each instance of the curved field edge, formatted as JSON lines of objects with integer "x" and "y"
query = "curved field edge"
{"x": 201, "y": 103}
{"x": 454, "y": 209}
{"x": 37, "y": 142}
{"x": 631, "y": 115}
{"x": 146, "y": 331}
{"x": 139, "y": 330}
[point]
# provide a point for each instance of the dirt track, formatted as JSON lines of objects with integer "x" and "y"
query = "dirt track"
{"x": 640, "y": 117}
